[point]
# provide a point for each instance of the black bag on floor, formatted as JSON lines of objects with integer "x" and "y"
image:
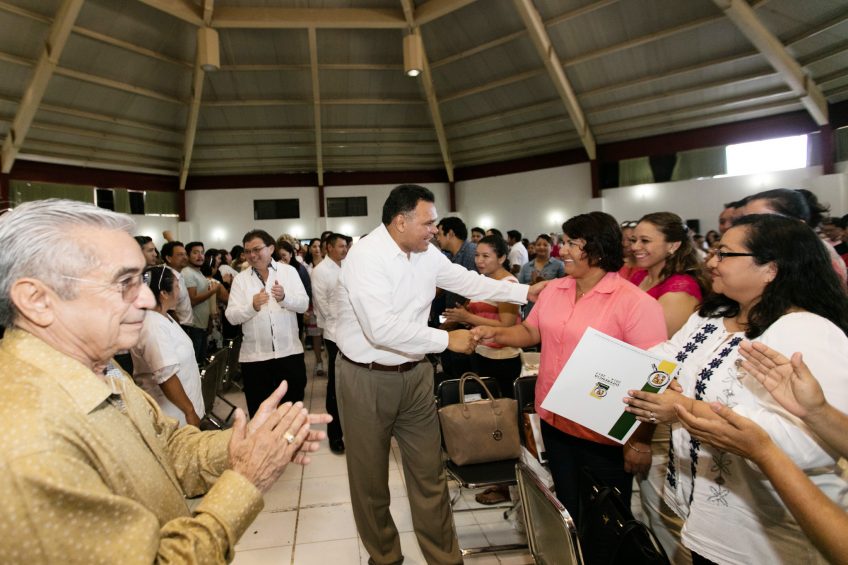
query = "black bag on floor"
{"x": 609, "y": 534}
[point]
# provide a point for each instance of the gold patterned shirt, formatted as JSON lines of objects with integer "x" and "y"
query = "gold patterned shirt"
{"x": 91, "y": 471}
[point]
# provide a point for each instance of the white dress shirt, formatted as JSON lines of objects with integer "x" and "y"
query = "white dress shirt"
{"x": 325, "y": 276}
{"x": 185, "y": 314}
{"x": 272, "y": 332}
{"x": 518, "y": 254}
{"x": 383, "y": 299}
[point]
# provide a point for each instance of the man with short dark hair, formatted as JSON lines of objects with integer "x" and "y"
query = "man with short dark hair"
{"x": 265, "y": 299}
{"x": 92, "y": 470}
{"x": 451, "y": 238}
{"x": 148, "y": 248}
{"x": 477, "y": 234}
{"x": 200, "y": 292}
{"x": 325, "y": 277}
{"x": 517, "y": 252}
{"x": 731, "y": 212}
{"x": 384, "y": 389}
{"x": 176, "y": 259}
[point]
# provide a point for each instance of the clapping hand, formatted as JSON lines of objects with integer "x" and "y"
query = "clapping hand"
{"x": 789, "y": 381}
{"x": 458, "y": 314}
{"x": 277, "y": 291}
{"x": 729, "y": 432}
{"x": 260, "y": 299}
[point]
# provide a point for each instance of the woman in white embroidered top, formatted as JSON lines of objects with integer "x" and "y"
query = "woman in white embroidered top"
{"x": 163, "y": 359}
{"x": 772, "y": 283}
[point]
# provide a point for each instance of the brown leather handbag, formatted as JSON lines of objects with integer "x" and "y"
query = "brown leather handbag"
{"x": 482, "y": 430}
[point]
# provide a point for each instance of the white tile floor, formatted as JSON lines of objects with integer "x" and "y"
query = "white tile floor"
{"x": 308, "y": 518}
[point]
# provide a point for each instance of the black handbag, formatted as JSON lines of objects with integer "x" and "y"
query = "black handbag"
{"x": 609, "y": 534}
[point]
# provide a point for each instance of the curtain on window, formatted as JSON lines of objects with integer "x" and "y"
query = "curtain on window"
{"x": 24, "y": 191}
{"x": 635, "y": 171}
{"x": 700, "y": 163}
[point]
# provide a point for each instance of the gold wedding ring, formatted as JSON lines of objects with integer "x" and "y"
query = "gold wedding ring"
{"x": 289, "y": 437}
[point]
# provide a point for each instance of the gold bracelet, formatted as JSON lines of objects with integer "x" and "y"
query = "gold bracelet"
{"x": 636, "y": 450}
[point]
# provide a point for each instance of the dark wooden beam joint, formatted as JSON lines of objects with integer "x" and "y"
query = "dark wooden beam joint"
{"x": 826, "y": 149}
{"x": 5, "y": 195}
{"x": 321, "y": 208}
{"x": 596, "y": 178}
{"x": 452, "y": 195}
{"x": 181, "y": 205}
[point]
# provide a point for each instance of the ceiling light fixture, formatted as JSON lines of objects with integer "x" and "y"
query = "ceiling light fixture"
{"x": 413, "y": 54}
{"x": 208, "y": 50}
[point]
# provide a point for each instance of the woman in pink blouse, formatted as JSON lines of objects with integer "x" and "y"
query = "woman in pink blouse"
{"x": 669, "y": 268}
{"x": 592, "y": 294}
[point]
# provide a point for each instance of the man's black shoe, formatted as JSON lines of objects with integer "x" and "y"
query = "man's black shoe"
{"x": 337, "y": 446}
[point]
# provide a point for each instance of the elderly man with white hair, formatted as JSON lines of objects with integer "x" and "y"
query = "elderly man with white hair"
{"x": 92, "y": 470}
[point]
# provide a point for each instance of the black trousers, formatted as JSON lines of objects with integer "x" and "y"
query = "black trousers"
{"x": 567, "y": 455}
{"x": 261, "y": 378}
{"x": 334, "y": 428}
{"x": 199, "y": 340}
{"x": 504, "y": 371}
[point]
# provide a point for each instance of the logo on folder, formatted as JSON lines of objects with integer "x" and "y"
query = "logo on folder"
{"x": 600, "y": 390}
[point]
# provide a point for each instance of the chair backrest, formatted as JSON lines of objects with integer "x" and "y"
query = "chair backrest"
{"x": 447, "y": 392}
{"x": 211, "y": 376}
{"x": 551, "y": 533}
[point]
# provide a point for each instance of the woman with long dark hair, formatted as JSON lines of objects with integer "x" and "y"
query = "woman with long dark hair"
{"x": 164, "y": 364}
{"x": 772, "y": 283}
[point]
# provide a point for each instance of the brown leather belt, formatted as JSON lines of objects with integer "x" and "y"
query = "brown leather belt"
{"x": 408, "y": 366}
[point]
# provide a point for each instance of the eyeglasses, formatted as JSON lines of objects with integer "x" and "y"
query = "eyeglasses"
{"x": 629, "y": 224}
{"x": 129, "y": 288}
{"x": 720, "y": 255}
{"x": 254, "y": 251}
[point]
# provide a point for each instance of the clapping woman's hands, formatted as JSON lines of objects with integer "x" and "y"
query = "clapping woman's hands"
{"x": 789, "y": 381}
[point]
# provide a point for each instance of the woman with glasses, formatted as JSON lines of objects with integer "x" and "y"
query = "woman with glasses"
{"x": 772, "y": 283}
{"x": 163, "y": 359}
{"x": 591, "y": 295}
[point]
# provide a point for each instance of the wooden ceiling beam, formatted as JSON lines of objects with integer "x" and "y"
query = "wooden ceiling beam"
{"x": 116, "y": 85}
{"x": 316, "y": 105}
{"x": 536, "y": 28}
{"x": 430, "y": 91}
{"x": 103, "y": 136}
{"x": 746, "y": 20}
{"x": 197, "y": 80}
{"x": 506, "y": 81}
{"x": 434, "y": 9}
{"x": 57, "y": 38}
{"x": 184, "y": 10}
{"x": 300, "y": 18}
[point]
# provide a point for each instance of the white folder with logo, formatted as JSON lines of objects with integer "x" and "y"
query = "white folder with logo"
{"x": 591, "y": 387}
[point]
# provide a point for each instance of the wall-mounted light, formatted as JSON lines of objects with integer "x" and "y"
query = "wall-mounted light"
{"x": 208, "y": 50}
{"x": 413, "y": 54}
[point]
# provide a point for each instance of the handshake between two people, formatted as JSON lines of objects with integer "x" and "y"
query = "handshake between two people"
{"x": 465, "y": 341}
{"x": 277, "y": 435}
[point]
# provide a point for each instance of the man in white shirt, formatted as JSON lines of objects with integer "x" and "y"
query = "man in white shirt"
{"x": 176, "y": 258}
{"x": 517, "y": 252}
{"x": 384, "y": 389}
{"x": 265, "y": 299}
{"x": 324, "y": 279}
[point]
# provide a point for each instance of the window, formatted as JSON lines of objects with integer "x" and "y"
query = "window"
{"x": 276, "y": 209}
{"x": 105, "y": 198}
{"x": 136, "y": 202}
{"x": 769, "y": 155}
{"x": 349, "y": 206}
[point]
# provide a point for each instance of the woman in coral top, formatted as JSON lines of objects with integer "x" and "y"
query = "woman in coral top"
{"x": 592, "y": 294}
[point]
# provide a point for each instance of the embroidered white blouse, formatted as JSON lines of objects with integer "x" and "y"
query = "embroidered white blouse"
{"x": 732, "y": 513}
